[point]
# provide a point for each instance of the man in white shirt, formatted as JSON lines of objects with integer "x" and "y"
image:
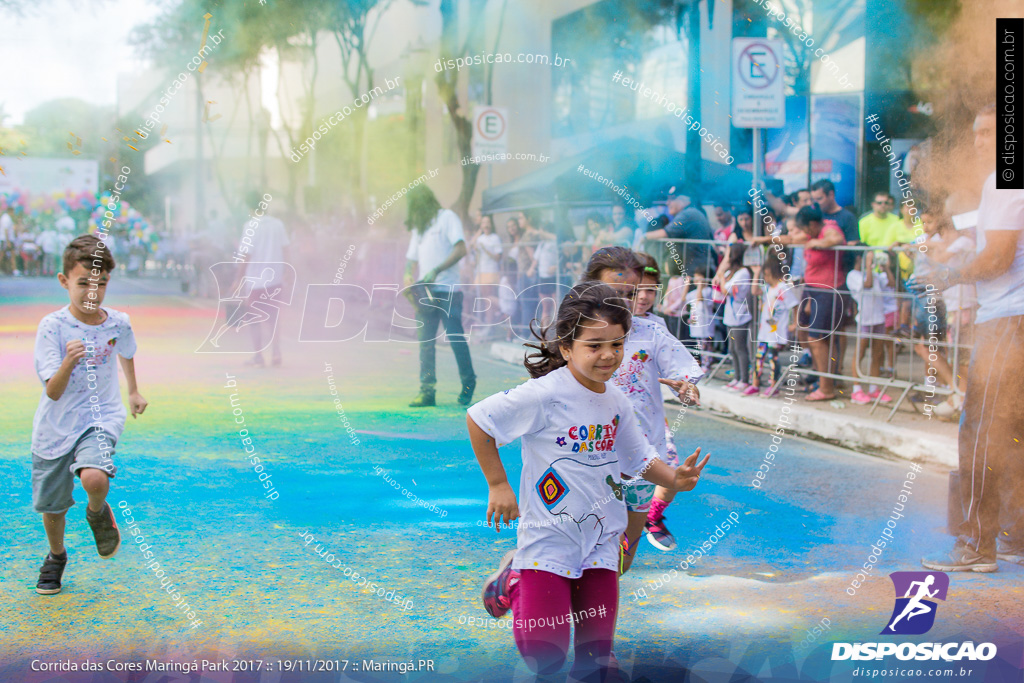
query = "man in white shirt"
{"x": 265, "y": 268}
{"x": 991, "y": 457}
{"x": 437, "y": 244}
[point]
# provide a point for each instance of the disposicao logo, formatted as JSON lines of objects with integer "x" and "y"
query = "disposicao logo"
{"x": 914, "y": 614}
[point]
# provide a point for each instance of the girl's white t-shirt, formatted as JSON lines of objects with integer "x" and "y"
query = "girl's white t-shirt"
{"x": 870, "y": 303}
{"x": 776, "y": 304}
{"x": 702, "y": 314}
{"x": 652, "y": 352}
{"x": 737, "y": 289}
{"x": 576, "y": 445}
{"x": 484, "y": 263}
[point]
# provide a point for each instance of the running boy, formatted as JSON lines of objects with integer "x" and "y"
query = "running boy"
{"x": 80, "y": 414}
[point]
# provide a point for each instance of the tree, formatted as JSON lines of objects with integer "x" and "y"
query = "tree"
{"x": 447, "y": 86}
{"x": 349, "y": 22}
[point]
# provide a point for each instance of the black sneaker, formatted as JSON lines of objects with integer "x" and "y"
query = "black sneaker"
{"x": 424, "y": 400}
{"x": 1009, "y": 552}
{"x": 466, "y": 395}
{"x": 50, "y": 573}
{"x": 104, "y": 530}
{"x": 961, "y": 558}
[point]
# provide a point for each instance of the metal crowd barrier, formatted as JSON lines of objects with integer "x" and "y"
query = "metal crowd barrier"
{"x": 907, "y": 372}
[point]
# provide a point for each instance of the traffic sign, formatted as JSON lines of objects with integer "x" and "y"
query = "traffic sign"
{"x": 758, "y": 95}
{"x": 490, "y": 130}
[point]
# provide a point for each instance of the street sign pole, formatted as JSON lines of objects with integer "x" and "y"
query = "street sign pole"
{"x": 756, "y": 175}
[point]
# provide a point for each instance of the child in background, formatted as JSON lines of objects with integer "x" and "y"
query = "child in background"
{"x": 890, "y": 305}
{"x": 672, "y": 306}
{"x": 944, "y": 245}
{"x": 73, "y": 434}
{"x": 646, "y": 512}
{"x": 734, "y": 280}
{"x": 867, "y": 284}
{"x": 701, "y": 315}
{"x": 578, "y": 435}
{"x": 778, "y": 300}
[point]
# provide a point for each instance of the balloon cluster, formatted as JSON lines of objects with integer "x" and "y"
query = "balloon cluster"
{"x": 87, "y": 208}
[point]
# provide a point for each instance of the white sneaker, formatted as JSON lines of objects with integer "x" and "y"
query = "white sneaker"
{"x": 949, "y": 408}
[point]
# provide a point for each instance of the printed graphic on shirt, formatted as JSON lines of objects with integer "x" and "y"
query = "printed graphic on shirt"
{"x": 590, "y": 438}
{"x": 616, "y": 487}
{"x": 551, "y": 488}
{"x": 629, "y": 376}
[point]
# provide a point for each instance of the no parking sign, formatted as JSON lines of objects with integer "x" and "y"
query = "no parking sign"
{"x": 758, "y": 96}
{"x": 490, "y": 130}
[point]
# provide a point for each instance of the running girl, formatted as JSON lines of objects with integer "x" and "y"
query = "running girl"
{"x": 645, "y": 503}
{"x": 578, "y": 435}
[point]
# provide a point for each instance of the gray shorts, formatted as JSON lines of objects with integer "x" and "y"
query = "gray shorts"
{"x": 53, "y": 480}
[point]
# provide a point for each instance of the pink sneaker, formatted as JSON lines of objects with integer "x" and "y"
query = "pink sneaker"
{"x": 750, "y": 391}
{"x": 732, "y": 384}
{"x": 769, "y": 392}
{"x": 497, "y": 590}
{"x": 740, "y": 387}
{"x": 886, "y": 398}
{"x": 861, "y": 398}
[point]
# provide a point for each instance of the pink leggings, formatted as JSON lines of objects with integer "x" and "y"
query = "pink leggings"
{"x": 544, "y": 606}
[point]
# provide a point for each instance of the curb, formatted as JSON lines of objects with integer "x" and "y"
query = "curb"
{"x": 873, "y": 437}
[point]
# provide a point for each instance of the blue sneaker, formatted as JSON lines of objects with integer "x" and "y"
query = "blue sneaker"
{"x": 497, "y": 590}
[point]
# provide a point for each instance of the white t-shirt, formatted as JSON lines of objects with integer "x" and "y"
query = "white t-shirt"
{"x": 6, "y": 228}
{"x": 959, "y": 297}
{"x": 430, "y": 248}
{"x": 267, "y": 247}
{"x": 547, "y": 260}
{"x": 702, "y": 314}
{"x": 58, "y": 424}
{"x": 651, "y": 352}
{"x": 776, "y": 304}
{"x": 870, "y": 303}
{"x": 1003, "y": 296}
{"x": 49, "y": 241}
{"x": 576, "y": 445}
{"x": 737, "y": 289}
{"x": 485, "y": 263}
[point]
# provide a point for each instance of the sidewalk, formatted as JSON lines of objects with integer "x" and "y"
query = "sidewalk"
{"x": 909, "y": 436}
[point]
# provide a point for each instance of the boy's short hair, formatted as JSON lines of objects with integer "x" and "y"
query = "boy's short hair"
{"x": 90, "y": 252}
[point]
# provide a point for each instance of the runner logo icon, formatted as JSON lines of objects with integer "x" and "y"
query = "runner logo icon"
{"x": 914, "y": 612}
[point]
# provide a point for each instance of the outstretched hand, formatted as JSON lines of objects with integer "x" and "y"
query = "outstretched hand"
{"x": 941, "y": 279}
{"x": 687, "y": 392}
{"x": 688, "y": 474}
{"x": 501, "y": 503}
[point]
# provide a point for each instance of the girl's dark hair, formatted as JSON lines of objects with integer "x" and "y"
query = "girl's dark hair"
{"x": 773, "y": 262}
{"x": 586, "y": 301}
{"x": 734, "y": 256}
{"x": 614, "y": 258}
{"x": 423, "y": 208}
{"x": 648, "y": 266}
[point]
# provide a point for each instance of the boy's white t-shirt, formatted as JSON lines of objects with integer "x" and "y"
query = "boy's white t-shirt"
{"x": 702, "y": 315}
{"x": 58, "y": 424}
{"x": 776, "y": 304}
{"x": 576, "y": 444}
{"x": 651, "y": 352}
{"x": 870, "y": 303}
{"x": 737, "y": 289}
